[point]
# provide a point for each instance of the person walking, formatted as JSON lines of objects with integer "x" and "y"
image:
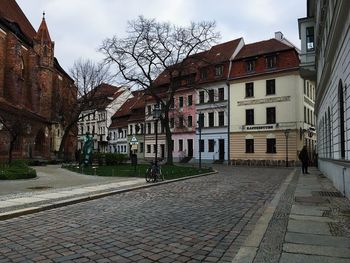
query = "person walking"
{"x": 304, "y": 158}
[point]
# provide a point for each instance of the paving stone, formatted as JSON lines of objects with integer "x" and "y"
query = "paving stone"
{"x": 317, "y": 250}
{"x": 300, "y": 258}
{"x": 303, "y": 226}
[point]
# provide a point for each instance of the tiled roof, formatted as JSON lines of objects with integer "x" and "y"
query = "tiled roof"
{"x": 10, "y": 10}
{"x": 262, "y": 47}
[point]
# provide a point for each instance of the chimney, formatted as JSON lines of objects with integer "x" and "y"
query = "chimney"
{"x": 278, "y": 35}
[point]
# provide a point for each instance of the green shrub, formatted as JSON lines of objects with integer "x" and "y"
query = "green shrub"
{"x": 115, "y": 158}
{"x": 99, "y": 158}
{"x": 16, "y": 171}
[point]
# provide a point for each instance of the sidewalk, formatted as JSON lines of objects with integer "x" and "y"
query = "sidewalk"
{"x": 308, "y": 221}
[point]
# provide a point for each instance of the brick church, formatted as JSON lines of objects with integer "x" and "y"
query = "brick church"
{"x": 36, "y": 94}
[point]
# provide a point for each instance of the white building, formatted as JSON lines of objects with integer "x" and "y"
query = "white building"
{"x": 328, "y": 24}
{"x": 271, "y": 109}
{"x": 107, "y": 100}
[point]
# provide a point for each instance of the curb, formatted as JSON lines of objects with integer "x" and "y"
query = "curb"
{"x": 72, "y": 201}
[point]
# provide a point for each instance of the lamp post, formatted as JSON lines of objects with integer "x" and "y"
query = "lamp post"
{"x": 286, "y": 133}
{"x": 156, "y": 115}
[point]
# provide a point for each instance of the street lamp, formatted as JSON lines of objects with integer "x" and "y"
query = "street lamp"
{"x": 286, "y": 133}
{"x": 156, "y": 116}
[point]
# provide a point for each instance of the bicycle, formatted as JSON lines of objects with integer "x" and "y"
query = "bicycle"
{"x": 153, "y": 173}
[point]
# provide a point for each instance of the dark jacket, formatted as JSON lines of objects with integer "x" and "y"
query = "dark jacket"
{"x": 303, "y": 156}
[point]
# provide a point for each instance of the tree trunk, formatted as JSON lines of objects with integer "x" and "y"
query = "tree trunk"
{"x": 12, "y": 144}
{"x": 64, "y": 138}
{"x": 168, "y": 138}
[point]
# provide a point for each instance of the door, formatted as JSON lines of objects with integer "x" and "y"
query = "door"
{"x": 190, "y": 147}
{"x": 162, "y": 151}
{"x": 221, "y": 149}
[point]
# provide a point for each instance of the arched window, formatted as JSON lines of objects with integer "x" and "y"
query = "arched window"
{"x": 329, "y": 126}
{"x": 22, "y": 68}
{"x": 341, "y": 119}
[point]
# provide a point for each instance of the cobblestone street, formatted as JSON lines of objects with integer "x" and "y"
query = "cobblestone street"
{"x": 199, "y": 220}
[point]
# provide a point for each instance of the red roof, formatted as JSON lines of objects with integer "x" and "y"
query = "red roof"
{"x": 43, "y": 33}
{"x": 262, "y": 47}
{"x": 10, "y": 10}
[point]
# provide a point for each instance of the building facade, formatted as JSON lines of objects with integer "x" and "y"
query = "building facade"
{"x": 107, "y": 100}
{"x": 268, "y": 125}
{"x": 328, "y": 34}
{"x": 36, "y": 94}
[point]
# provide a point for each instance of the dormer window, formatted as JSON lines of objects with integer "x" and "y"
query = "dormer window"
{"x": 204, "y": 74}
{"x": 271, "y": 62}
{"x": 219, "y": 70}
{"x": 310, "y": 42}
{"x": 250, "y": 65}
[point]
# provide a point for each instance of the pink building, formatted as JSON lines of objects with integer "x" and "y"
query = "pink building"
{"x": 183, "y": 124}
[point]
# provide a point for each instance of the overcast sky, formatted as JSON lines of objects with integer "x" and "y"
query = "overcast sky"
{"x": 78, "y": 27}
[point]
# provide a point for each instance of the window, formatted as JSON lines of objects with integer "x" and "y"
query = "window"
{"x": 341, "y": 118}
{"x": 310, "y": 39}
{"x": 270, "y": 145}
{"x": 189, "y": 100}
{"x": 211, "y": 119}
{"x": 141, "y": 147}
{"x": 181, "y": 121}
{"x": 82, "y": 129}
{"x": 204, "y": 74}
{"x": 270, "y": 87}
{"x": 142, "y": 128}
{"x": 149, "y": 128}
{"x": 304, "y": 114}
{"x": 221, "y": 92}
{"x": 149, "y": 110}
{"x": 271, "y": 62}
{"x": 201, "y": 120}
{"x": 172, "y": 122}
{"x": 270, "y": 115}
{"x": 201, "y": 145}
{"x": 219, "y": 70}
{"x": 189, "y": 121}
{"x": 172, "y": 103}
{"x": 211, "y": 144}
{"x": 249, "y": 145}
{"x": 221, "y": 118}
{"x": 201, "y": 97}
{"x": 250, "y": 65}
{"x": 181, "y": 102}
{"x": 249, "y": 89}
{"x": 130, "y": 129}
{"x": 211, "y": 95}
{"x": 249, "y": 117}
{"x": 148, "y": 148}
{"x": 181, "y": 146}
{"x": 22, "y": 68}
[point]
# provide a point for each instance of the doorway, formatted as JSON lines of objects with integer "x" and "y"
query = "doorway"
{"x": 190, "y": 147}
{"x": 221, "y": 149}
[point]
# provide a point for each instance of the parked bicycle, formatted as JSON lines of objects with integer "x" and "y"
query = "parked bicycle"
{"x": 154, "y": 173}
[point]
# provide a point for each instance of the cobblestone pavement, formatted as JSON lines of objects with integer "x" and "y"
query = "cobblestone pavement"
{"x": 204, "y": 219}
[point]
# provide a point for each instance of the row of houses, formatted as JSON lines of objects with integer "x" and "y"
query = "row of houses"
{"x": 237, "y": 102}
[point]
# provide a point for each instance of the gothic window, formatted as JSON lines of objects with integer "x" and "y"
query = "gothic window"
{"x": 341, "y": 119}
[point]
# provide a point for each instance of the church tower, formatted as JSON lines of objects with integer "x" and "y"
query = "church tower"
{"x": 44, "y": 49}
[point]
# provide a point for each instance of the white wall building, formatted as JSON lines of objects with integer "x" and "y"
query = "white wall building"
{"x": 329, "y": 22}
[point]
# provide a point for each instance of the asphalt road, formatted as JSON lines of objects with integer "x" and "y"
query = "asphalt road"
{"x": 198, "y": 220}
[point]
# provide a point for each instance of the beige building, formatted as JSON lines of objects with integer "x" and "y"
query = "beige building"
{"x": 271, "y": 106}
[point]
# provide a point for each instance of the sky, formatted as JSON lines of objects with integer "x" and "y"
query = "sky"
{"x": 78, "y": 27}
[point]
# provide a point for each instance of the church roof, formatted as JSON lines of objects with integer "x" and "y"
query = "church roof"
{"x": 10, "y": 10}
{"x": 43, "y": 35}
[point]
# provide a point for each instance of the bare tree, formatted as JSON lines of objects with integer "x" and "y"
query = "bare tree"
{"x": 87, "y": 75}
{"x": 153, "y": 50}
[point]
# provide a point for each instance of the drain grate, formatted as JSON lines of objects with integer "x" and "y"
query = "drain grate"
{"x": 330, "y": 194}
{"x": 38, "y": 188}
